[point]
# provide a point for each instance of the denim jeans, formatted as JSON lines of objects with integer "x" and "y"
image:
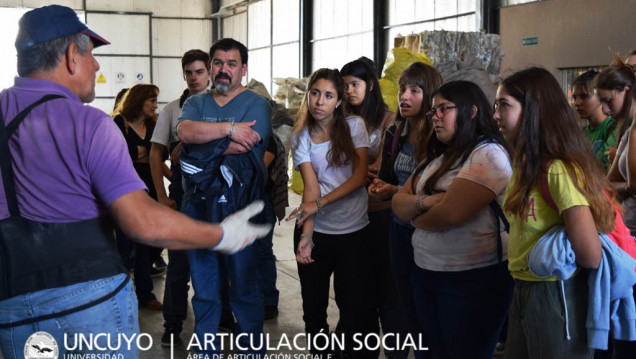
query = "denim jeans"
{"x": 175, "y": 296}
{"x": 246, "y": 300}
{"x": 267, "y": 260}
{"x": 402, "y": 263}
{"x": 389, "y": 308}
{"x": 462, "y": 313}
{"x": 116, "y": 316}
{"x": 145, "y": 256}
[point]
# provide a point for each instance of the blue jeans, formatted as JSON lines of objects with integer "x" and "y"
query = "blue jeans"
{"x": 389, "y": 308}
{"x": 267, "y": 260}
{"x": 462, "y": 313}
{"x": 402, "y": 263}
{"x": 246, "y": 300}
{"x": 116, "y": 316}
{"x": 175, "y": 295}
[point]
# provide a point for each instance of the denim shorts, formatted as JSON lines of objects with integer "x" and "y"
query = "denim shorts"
{"x": 115, "y": 318}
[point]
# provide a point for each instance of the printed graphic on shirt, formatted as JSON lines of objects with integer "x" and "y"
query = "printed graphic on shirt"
{"x": 531, "y": 211}
{"x": 598, "y": 146}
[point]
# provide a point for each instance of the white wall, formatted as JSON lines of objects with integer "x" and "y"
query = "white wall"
{"x": 147, "y": 37}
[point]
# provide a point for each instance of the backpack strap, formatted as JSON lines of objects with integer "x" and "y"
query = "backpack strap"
{"x": 499, "y": 215}
{"x": 5, "y": 154}
{"x": 394, "y": 143}
{"x": 544, "y": 187}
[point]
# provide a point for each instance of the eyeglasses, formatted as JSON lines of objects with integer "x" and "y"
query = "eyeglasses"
{"x": 439, "y": 111}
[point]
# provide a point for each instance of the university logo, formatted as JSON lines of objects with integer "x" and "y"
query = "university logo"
{"x": 41, "y": 345}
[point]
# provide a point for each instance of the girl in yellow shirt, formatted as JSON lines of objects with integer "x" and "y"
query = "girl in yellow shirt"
{"x": 533, "y": 114}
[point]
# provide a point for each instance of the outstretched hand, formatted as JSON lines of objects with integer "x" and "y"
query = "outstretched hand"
{"x": 238, "y": 232}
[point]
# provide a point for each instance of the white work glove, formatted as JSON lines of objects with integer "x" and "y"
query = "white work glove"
{"x": 238, "y": 233}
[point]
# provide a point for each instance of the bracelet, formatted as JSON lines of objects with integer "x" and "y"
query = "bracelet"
{"x": 419, "y": 205}
{"x": 320, "y": 206}
{"x": 311, "y": 242}
{"x": 231, "y": 130}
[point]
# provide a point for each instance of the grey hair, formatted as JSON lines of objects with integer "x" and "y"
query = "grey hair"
{"x": 46, "y": 56}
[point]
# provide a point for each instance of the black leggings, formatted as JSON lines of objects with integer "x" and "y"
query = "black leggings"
{"x": 346, "y": 257}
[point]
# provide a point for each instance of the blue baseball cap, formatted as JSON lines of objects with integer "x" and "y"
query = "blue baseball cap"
{"x": 49, "y": 23}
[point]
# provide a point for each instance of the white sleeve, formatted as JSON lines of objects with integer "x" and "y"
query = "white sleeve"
{"x": 489, "y": 165}
{"x": 359, "y": 132}
{"x": 300, "y": 148}
{"x": 161, "y": 134}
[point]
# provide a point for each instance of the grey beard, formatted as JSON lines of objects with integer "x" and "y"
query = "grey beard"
{"x": 221, "y": 86}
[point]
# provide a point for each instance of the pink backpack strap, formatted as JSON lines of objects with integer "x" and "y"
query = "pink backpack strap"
{"x": 543, "y": 185}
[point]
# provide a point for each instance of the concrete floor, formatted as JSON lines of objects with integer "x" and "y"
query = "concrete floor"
{"x": 289, "y": 320}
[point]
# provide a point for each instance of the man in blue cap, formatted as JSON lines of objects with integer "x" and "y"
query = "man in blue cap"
{"x": 64, "y": 180}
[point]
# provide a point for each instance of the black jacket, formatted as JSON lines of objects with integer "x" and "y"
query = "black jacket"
{"x": 204, "y": 179}
{"x": 390, "y": 149}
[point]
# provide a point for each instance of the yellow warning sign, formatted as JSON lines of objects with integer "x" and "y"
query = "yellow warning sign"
{"x": 101, "y": 79}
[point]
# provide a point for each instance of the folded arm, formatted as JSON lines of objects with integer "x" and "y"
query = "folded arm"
{"x": 460, "y": 203}
{"x": 198, "y": 132}
{"x": 403, "y": 202}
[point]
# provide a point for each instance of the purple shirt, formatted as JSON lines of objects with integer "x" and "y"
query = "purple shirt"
{"x": 70, "y": 161}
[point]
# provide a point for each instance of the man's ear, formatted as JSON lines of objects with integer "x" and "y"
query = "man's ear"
{"x": 244, "y": 69}
{"x": 70, "y": 57}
